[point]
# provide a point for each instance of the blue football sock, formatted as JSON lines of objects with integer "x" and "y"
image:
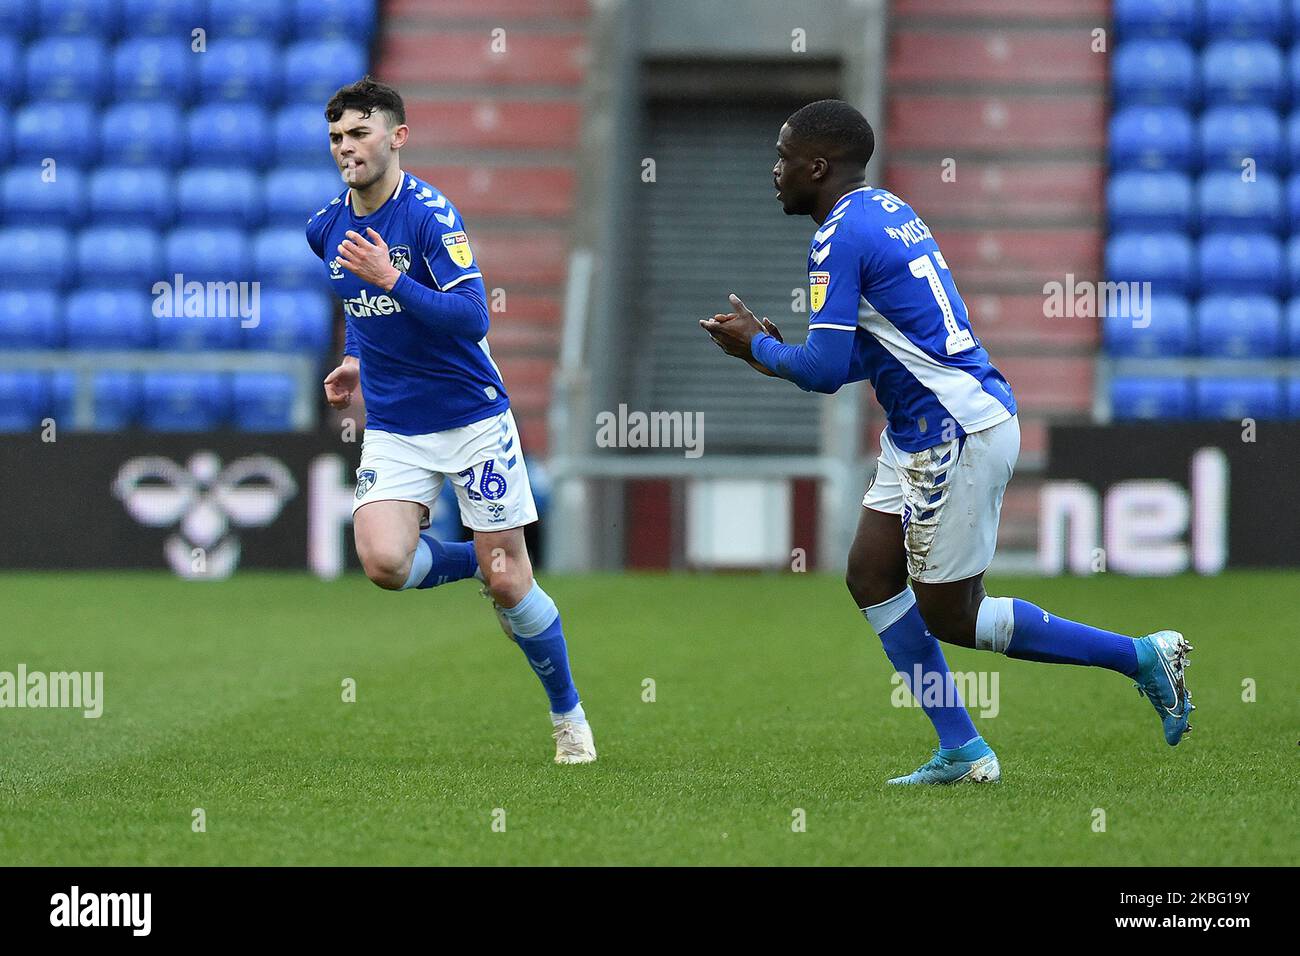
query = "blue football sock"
{"x": 440, "y": 562}
{"x": 1019, "y": 629}
{"x": 536, "y": 624}
{"x": 914, "y": 652}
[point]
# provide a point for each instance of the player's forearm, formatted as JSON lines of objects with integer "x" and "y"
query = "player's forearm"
{"x": 821, "y": 364}
{"x": 458, "y": 312}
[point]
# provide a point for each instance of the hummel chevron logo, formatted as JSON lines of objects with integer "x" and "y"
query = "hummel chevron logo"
{"x": 819, "y": 255}
{"x": 448, "y": 220}
{"x": 437, "y": 203}
{"x": 823, "y": 234}
{"x": 545, "y": 668}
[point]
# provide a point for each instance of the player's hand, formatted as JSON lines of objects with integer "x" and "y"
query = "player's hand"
{"x": 734, "y": 331}
{"x": 367, "y": 258}
{"x": 341, "y": 383}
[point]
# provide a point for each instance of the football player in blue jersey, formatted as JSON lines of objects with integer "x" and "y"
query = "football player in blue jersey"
{"x": 951, "y": 443}
{"x": 398, "y": 255}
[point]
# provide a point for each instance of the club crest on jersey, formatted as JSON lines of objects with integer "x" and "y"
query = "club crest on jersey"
{"x": 400, "y": 257}
{"x": 457, "y": 244}
{"x": 365, "y": 481}
{"x": 817, "y": 283}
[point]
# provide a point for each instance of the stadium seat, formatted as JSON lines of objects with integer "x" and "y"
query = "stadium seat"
{"x": 67, "y": 68}
{"x": 200, "y": 333}
{"x": 315, "y": 69}
{"x": 240, "y": 70}
{"x": 162, "y": 17}
{"x": 1231, "y": 134}
{"x": 1248, "y": 19}
{"x": 345, "y": 19}
{"x": 1145, "y": 399}
{"x": 37, "y": 256}
{"x": 153, "y": 68}
{"x": 51, "y": 128}
{"x": 145, "y": 133}
{"x": 1248, "y": 326}
{"x": 17, "y": 19}
{"x": 1228, "y": 204}
{"x": 292, "y": 195}
{"x": 263, "y": 401}
{"x": 1156, "y": 201}
{"x": 118, "y": 399}
{"x": 1165, "y": 259}
{"x": 6, "y": 135}
{"x": 1237, "y": 398}
{"x": 108, "y": 318}
{"x": 120, "y": 256}
{"x": 30, "y": 319}
{"x": 1154, "y": 138}
{"x": 184, "y": 401}
{"x": 1154, "y": 73}
{"x": 219, "y": 254}
{"x": 132, "y": 196}
{"x": 61, "y": 396}
{"x": 1244, "y": 72}
{"x": 1232, "y": 263}
{"x": 302, "y": 136}
{"x": 1292, "y": 388}
{"x": 283, "y": 260}
{"x": 1293, "y": 265}
{"x": 23, "y": 400}
{"x": 1292, "y": 331}
{"x": 218, "y": 197}
{"x": 1157, "y": 19}
{"x": 11, "y": 70}
{"x": 78, "y": 17}
{"x": 299, "y": 320}
{"x": 227, "y": 134}
{"x": 243, "y": 19}
{"x": 25, "y": 197}
{"x": 1167, "y": 332}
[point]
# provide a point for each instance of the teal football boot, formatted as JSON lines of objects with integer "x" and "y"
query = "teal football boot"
{"x": 973, "y": 763}
{"x": 1162, "y": 659}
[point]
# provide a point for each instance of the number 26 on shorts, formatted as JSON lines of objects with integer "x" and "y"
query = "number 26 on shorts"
{"x": 490, "y": 485}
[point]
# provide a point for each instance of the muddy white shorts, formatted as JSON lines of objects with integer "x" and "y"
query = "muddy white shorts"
{"x": 483, "y": 461}
{"x": 949, "y": 498}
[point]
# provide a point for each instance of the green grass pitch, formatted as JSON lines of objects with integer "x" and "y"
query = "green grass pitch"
{"x": 771, "y": 695}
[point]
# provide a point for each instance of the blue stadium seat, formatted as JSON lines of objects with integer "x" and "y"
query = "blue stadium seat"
{"x": 239, "y": 70}
{"x": 217, "y": 254}
{"x": 63, "y": 130}
{"x": 1292, "y": 332}
{"x": 1154, "y": 73}
{"x": 1248, "y": 326}
{"x": 24, "y": 398}
{"x": 283, "y": 260}
{"x": 120, "y": 256}
{"x": 185, "y": 401}
{"x": 162, "y": 17}
{"x": 118, "y": 399}
{"x": 61, "y": 396}
{"x": 59, "y": 202}
{"x": 263, "y": 401}
{"x": 237, "y": 19}
{"x": 17, "y": 18}
{"x": 1146, "y": 399}
{"x": 1167, "y": 333}
{"x": 302, "y": 135}
{"x": 1293, "y": 201}
{"x": 199, "y": 333}
{"x": 11, "y": 69}
{"x": 227, "y": 134}
{"x": 1248, "y": 19}
{"x": 6, "y": 127}
{"x": 39, "y": 256}
{"x": 1232, "y": 263}
{"x": 1292, "y": 388}
{"x": 154, "y": 68}
{"x": 1237, "y": 398}
{"x": 1293, "y": 265}
{"x": 79, "y": 17}
{"x": 293, "y": 194}
{"x": 315, "y": 69}
{"x": 1152, "y": 137}
{"x": 30, "y": 319}
{"x": 1231, "y": 134}
{"x": 145, "y": 133}
{"x": 1165, "y": 259}
{"x": 300, "y": 320}
{"x": 346, "y": 19}
{"x": 67, "y": 68}
{"x": 1157, "y": 19}
{"x": 1154, "y": 201}
{"x": 107, "y": 318}
{"x": 218, "y": 197}
{"x": 1245, "y": 71}
{"x": 132, "y": 196}
{"x": 1228, "y": 204}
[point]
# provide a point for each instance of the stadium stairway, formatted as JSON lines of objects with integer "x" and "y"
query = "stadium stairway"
{"x": 497, "y": 128}
{"x": 1022, "y": 202}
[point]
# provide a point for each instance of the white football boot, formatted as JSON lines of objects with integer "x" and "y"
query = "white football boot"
{"x": 574, "y": 742}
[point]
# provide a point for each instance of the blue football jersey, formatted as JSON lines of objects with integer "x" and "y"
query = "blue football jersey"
{"x": 415, "y": 378}
{"x": 916, "y": 346}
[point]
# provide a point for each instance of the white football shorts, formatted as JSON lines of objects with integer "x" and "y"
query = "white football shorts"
{"x": 949, "y": 498}
{"x": 483, "y": 460}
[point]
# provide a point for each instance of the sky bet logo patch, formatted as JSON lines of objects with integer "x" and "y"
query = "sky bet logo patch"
{"x": 457, "y": 244}
{"x": 817, "y": 283}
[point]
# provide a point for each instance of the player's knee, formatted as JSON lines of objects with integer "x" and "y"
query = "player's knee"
{"x": 870, "y": 587}
{"x": 386, "y": 567}
{"x": 953, "y": 625}
{"x": 509, "y": 586}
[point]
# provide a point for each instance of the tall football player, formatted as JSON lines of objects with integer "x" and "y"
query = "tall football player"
{"x": 946, "y": 454}
{"x": 436, "y": 409}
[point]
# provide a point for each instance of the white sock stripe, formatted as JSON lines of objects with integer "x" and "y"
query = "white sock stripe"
{"x": 421, "y": 562}
{"x": 534, "y": 614}
{"x": 995, "y": 623}
{"x": 882, "y": 615}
